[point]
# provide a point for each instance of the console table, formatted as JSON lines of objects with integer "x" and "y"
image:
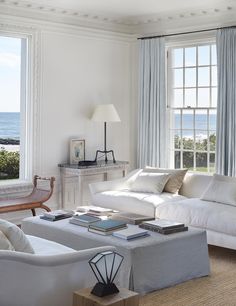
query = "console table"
{"x": 83, "y": 175}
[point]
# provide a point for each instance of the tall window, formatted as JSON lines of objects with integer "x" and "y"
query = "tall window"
{"x": 192, "y": 91}
{"x": 13, "y": 76}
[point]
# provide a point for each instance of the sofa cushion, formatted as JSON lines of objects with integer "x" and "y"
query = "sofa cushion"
{"x": 46, "y": 247}
{"x": 195, "y": 184}
{"x": 16, "y": 236}
{"x": 205, "y": 214}
{"x": 150, "y": 182}
{"x": 221, "y": 189}
{"x": 140, "y": 203}
{"x": 176, "y": 177}
{"x": 5, "y": 244}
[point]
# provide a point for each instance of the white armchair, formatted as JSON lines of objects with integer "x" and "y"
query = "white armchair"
{"x": 46, "y": 278}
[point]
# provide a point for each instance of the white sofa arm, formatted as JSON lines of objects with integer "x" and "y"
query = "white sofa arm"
{"x": 33, "y": 280}
{"x": 53, "y": 260}
{"x": 118, "y": 184}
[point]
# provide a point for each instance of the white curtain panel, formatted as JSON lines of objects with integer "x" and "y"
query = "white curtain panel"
{"x": 152, "y": 103}
{"x": 226, "y": 105}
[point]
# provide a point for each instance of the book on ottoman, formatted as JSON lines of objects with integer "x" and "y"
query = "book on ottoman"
{"x": 106, "y": 227}
{"x": 57, "y": 215}
{"x": 130, "y": 233}
{"x": 131, "y": 218}
{"x": 163, "y": 226}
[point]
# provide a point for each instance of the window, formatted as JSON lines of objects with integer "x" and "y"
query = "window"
{"x": 13, "y": 98}
{"x": 192, "y": 91}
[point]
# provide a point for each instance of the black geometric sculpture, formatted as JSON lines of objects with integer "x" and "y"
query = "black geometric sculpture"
{"x": 105, "y": 267}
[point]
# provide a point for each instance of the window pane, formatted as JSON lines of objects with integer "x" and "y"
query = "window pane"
{"x": 203, "y": 55}
{"x": 10, "y": 86}
{"x": 178, "y": 57}
{"x": 190, "y": 77}
{"x": 188, "y": 140}
{"x": 214, "y": 97}
{"x": 213, "y": 55}
{"x": 188, "y": 160}
{"x": 190, "y": 97}
{"x": 212, "y": 140}
{"x": 201, "y": 140}
{"x": 176, "y": 119}
{"x": 212, "y": 162}
{"x": 177, "y": 139}
{"x": 201, "y": 162}
{"x": 201, "y": 120}
{"x": 187, "y": 119}
{"x": 203, "y": 97}
{"x": 177, "y": 159}
{"x": 203, "y": 76}
{"x": 178, "y": 97}
{"x": 212, "y": 120}
{"x": 178, "y": 77}
{"x": 213, "y": 76}
{"x": 190, "y": 56}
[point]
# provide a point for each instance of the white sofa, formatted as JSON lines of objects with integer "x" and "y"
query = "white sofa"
{"x": 218, "y": 219}
{"x": 46, "y": 278}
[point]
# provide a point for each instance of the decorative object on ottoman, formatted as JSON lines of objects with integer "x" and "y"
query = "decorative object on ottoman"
{"x": 105, "y": 267}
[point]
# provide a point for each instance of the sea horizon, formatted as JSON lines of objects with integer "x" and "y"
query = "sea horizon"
{"x": 10, "y": 125}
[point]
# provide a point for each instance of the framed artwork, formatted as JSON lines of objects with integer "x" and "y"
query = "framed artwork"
{"x": 77, "y": 150}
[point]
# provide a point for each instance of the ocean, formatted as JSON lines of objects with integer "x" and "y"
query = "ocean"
{"x": 10, "y": 125}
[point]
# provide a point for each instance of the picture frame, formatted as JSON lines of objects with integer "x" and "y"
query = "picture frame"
{"x": 77, "y": 150}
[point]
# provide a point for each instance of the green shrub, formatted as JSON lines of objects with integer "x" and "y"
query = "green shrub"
{"x": 9, "y": 165}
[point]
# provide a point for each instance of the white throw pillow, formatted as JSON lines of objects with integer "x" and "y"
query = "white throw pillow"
{"x": 16, "y": 236}
{"x": 150, "y": 182}
{"x": 221, "y": 189}
{"x": 176, "y": 177}
{"x": 5, "y": 244}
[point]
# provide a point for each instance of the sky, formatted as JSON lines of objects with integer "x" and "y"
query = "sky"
{"x": 10, "y": 53}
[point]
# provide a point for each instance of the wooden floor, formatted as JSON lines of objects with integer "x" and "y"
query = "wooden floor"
{"x": 219, "y": 289}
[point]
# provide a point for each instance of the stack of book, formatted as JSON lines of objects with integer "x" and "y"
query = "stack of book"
{"x": 130, "y": 233}
{"x": 106, "y": 227}
{"x": 131, "y": 218}
{"x": 57, "y": 215}
{"x": 95, "y": 210}
{"x": 84, "y": 219}
{"x": 164, "y": 227}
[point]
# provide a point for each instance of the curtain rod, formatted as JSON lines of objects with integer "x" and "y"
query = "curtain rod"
{"x": 184, "y": 33}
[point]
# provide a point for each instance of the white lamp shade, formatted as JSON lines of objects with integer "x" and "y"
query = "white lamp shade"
{"x": 105, "y": 113}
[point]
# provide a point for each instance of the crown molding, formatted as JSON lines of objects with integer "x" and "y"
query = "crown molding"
{"x": 183, "y": 21}
{"x": 161, "y": 23}
{"x": 53, "y": 14}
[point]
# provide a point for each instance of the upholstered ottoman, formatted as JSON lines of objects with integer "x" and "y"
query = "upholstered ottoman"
{"x": 150, "y": 263}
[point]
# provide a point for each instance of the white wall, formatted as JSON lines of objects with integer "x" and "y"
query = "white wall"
{"x": 77, "y": 74}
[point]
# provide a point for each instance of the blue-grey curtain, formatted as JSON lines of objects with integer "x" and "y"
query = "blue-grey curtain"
{"x": 152, "y": 103}
{"x": 226, "y": 105}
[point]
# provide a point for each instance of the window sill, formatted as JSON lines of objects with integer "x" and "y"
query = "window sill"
{"x": 14, "y": 187}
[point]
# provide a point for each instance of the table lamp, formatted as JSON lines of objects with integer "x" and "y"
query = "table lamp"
{"x": 105, "y": 113}
{"x": 105, "y": 266}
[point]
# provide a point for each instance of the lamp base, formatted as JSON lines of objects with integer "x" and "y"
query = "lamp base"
{"x": 105, "y": 152}
{"x": 101, "y": 289}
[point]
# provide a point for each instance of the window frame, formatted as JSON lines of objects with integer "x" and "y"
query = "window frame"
{"x": 186, "y": 43}
{"x": 28, "y": 101}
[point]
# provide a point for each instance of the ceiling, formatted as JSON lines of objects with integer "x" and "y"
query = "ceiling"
{"x": 128, "y": 16}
